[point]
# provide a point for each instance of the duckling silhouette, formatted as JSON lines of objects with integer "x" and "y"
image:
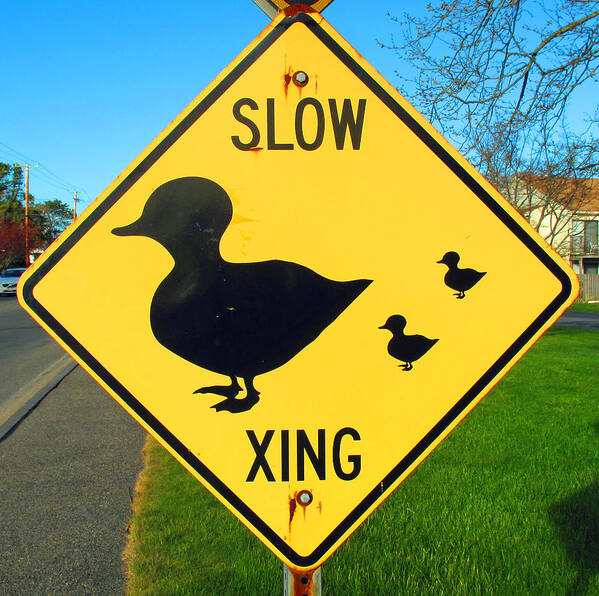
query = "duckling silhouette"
{"x": 459, "y": 279}
{"x": 236, "y": 319}
{"x": 407, "y": 348}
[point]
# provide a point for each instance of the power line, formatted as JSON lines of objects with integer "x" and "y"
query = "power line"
{"x": 47, "y": 171}
{"x": 50, "y": 182}
{"x": 21, "y": 156}
{"x": 55, "y": 176}
{"x": 10, "y": 157}
{"x": 42, "y": 174}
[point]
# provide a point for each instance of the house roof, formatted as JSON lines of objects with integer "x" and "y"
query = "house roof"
{"x": 578, "y": 195}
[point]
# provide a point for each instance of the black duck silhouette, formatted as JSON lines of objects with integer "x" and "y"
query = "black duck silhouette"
{"x": 236, "y": 319}
{"x": 459, "y": 279}
{"x": 406, "y": 348}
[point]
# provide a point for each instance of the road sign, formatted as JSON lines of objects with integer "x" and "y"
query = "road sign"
{"x": 273, "y": 7}
{"x": 300, "y": 288}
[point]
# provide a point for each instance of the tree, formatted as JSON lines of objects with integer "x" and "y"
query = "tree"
{"x": 498, "y": 76}
{"x": 11, "y": 192}
{"x": 11, "y": 181}
{"x": 514, "y": 64}
{"x": 12, "y": 242}
{"x": 549, "y": 195}
{"x": 51, "y": 217}
{"x": 46, "y": 220}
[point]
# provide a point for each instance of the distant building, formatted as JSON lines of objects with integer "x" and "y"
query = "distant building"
{"x": 34, "y": 254}
{"x": 566, "y": 214}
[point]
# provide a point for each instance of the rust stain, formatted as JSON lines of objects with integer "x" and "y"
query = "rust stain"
{"x": 319, "y": 507}
{"x": 255, "y": 149}
{"x": 292, "y": 508}
{"x": 303, "y": 507}
{"x": 295, "y": 9}
{"x": 294, "y": 501}
{"x": 315, "y": 84}
{"x": 287, "y": 78}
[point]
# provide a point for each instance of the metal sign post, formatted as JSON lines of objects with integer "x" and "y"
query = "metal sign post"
{"x": 268, "y": 7}
{"x": 273, "y": 7}
{"x": 302, "y": 583}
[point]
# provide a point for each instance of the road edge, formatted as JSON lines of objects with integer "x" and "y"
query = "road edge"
{"x": 30, "y": 398}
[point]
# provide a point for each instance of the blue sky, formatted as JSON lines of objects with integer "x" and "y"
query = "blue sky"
{"x": 87, "y": 85}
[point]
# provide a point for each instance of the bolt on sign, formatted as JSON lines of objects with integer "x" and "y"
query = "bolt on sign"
{"x": 322, "y": 288}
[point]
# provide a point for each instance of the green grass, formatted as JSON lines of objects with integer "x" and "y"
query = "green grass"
{"x": 508, "y": 504}
{"x": 585, "y": 307}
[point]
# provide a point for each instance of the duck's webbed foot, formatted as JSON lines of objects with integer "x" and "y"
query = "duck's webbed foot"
{"x": 229, "y": 391}
{"x": 244, "y": 404}
{"x": 406, "y": 366}
{"x": 460, "y": 295}
{"x": 235, "y": 406}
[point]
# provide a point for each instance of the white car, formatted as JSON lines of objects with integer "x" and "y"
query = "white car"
{"x": 8, "y": 281}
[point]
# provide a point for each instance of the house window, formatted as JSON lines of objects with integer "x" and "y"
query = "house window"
{"x": 591, "y": 267}
{"x": 585, "y": 236}
{"x": 590, "y": 237}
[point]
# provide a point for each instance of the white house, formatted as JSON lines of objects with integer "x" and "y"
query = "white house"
{"x": 566, "y": 214}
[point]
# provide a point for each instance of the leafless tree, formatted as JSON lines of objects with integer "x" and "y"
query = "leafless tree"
{"x": 497, "y": 77}
{"x": 516, "y": 63}
{"x": 551, "y": 189}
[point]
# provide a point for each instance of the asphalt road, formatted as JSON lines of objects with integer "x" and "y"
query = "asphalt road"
{"x": 579, "y": 319}
{"x": 66, "y": 475}
{"x": 67, "y": 470}
{"x": 26, "y": 350}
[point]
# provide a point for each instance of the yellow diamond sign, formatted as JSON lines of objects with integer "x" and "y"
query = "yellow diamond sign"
{"x": 300, "y": 288}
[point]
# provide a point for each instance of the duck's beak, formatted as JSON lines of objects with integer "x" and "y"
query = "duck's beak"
{"x": 133, "y": 229}
{"x": 384, "y": 327}
{"x": 441, "y": 262}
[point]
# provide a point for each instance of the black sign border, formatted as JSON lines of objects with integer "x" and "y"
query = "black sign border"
{"x": 208, "y": 476}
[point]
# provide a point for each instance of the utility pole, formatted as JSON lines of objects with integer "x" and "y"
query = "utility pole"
{"x": 26, "y": 166}
{"x": 75, "y": 200}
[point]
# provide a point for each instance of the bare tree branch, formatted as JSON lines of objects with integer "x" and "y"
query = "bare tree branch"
{"x": 478, "y": 62}
{"x": 498, "y": 77}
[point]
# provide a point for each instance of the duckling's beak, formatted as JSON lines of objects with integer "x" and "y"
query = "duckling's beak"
{"x": 133, "y": 229}
{"x": 384, "y": 326}
{"x": 442, "y": 262}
